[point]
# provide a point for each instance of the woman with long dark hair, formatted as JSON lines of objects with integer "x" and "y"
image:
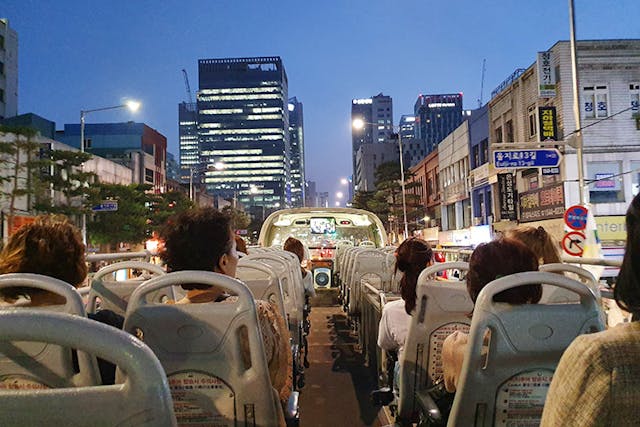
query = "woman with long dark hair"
{"x": 597, "y": 381}
{"x": 412, "y": 256}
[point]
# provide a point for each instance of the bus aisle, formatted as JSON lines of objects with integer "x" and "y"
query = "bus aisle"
{"x": 337, "y": 382}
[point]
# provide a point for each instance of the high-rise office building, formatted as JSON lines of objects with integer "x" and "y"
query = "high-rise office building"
{"x": 188, "y": 140}
{"x": 296, "y": 142}
{"x": 8, "y": 70}
{"x": 436, "y": 117}
{"x": 243, "y": 131}
{"x": 376, "y": 113}
{"x": 413, "y": 148}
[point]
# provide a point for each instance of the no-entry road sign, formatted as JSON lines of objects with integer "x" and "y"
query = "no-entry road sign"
{"x": 573, "y": 243}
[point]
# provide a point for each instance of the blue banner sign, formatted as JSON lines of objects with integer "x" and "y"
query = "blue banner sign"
{"x": 106, "y": 206}
{"x": 522, "y": 159}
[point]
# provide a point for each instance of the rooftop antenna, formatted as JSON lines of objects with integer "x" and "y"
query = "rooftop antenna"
{"x": 484, "y": 61}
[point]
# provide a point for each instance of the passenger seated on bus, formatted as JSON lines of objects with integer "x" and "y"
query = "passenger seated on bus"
{"x": 539, "y": 241}
{"x": 597, "y": 381}
{"x": 51, "y": 246}
{"x": 296, "y": 247}
{"x": 412, "y": 256}
{"x": 202, "y": 239}
{"x": 241, "y": 245}
{"x": 490, "y": 261}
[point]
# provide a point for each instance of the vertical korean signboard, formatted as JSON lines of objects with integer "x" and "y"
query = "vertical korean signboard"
{"x": 548, "y": 123}
{"x": 507, "y": 189}
{"x": 546, "y": 76}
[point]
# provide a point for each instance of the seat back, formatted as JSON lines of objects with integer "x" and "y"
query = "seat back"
{"x": 442, "y": 307}
{"x": 43, "y": 364}
{"x": 554, "y": 294}
{"x": 370, "y": 265}
{"x": 200, "y": 348}
{"x": 143, "y": 399}
{"x": 293, "y": 301}
{"x": 263, "y": 283}
{"x": 114, "y": 295}
{"x": 505, "y": 381}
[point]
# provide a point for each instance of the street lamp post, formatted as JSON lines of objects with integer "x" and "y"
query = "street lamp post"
{"x": 131, "y": 105}
{"x": 359, "y": 124}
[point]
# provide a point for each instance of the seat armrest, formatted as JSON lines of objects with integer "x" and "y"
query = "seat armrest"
{"x": 428, "y": 406}
{"x": 291, "y": 414}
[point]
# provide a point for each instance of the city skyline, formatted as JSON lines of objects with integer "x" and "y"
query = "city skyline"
{"x": 75, "y": 56}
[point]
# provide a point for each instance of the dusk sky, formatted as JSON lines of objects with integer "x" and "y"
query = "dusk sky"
{"x": 77, "y": 55}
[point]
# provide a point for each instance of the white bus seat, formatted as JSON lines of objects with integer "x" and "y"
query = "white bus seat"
{"x": 199, "y": 346}
{"x": 42, "y": 362}
{"x": 142, "y": 400}
{"x": 293, "y": 302}
{"x": 508, "y": 384}
{"x": 263, "y": 283}
{"x": 556, "y": 295}
{"x": 442, "y": 307}
{"x": 367, "y": 244}
{"x": 113, "y": 295}
{"x": 394, "y": 281}
{"x": 365, "y": 262}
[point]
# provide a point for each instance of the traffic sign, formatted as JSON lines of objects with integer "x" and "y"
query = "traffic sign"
{"x": 576, "y": 217}
{"x": 523, "y": 159}
{"x": 573, "y": 243}
{"x": 551, "y": 171}
{"x": 106, "y": 206}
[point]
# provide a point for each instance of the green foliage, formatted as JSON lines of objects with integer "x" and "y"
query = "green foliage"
{"x": 62, "y": 172}
{"x": 162, "y": 206}
{"x": 128, "y": 223}
{"x": 17, "y": 155}
{"x": 239, "y": 220}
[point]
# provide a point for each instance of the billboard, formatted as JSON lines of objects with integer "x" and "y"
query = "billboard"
{"x": 542, "y": 203}
{"x": 546, "y": 76}
{"x": 508, "y": 193}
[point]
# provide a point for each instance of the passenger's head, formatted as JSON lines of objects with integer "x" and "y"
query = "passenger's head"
{"x": 294, "y": 246}
{"x": 200, "y": 239}
{"x": 539, "y": 241}
{"x": 50, "y": 246}
{"x": 499, "y": 258}
{"x": 241, "y": 245}
{"x": 412, "y": 256}
{"x": 627, "y": 289}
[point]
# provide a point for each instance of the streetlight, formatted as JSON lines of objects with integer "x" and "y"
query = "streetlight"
{"x": 133, "y": 106}
{"x": 339, "y": 195}
{"x": 344, "y": 181}
{"x": 360, "y": 124}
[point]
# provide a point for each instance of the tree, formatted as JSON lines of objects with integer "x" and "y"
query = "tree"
{"x": 163, "y": 205}
{"x": 62, "y": 172}
{"x": 129, "y": 223}
{"x": 239, "y": 220}
{"x": 18, "y": 154}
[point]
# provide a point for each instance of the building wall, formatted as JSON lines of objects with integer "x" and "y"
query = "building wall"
{"x": 426, "y": 174}
{"x": 612, "y": 145}
{"x": 188, "y": 138}
{"x": 8, "y": 70}
{"x": 368, "y": 158}
{"x": 453, "y": 158}
{"x": 436, "y": 116}
{"x": 243, "y": 123}
{"x": 296, "y": 140}
{"x": 377, "y": 114}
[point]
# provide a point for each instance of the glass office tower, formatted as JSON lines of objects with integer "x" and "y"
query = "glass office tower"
{"x": 188, "y": 136}
{"x": 243, "y": 131}
{"x": 296, "y": 139}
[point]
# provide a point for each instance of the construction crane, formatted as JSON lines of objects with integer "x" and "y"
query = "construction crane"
{"x": 186, "y": 83}
{"x": 484, "y": 61}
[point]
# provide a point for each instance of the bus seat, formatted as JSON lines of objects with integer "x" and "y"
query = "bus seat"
{"x": 365, "y": 262}
{"x": 263, "y": 283}
{"x": 507, "y": 383}
{"x": 113, "y": 295}
{"x": 43, "y": 363}
{"x": 556, "y": 295}
{"x": 199, "y": 346}
{"x": 143, "y": 399}
{"x": 442, "y": 307}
